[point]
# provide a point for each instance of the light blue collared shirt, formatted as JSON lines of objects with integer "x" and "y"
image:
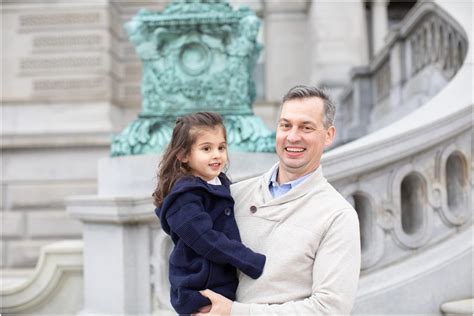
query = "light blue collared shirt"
{"x": 277, "y": 189}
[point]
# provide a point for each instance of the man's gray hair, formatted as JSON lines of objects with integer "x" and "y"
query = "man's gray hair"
{"x": 303, "y": 92}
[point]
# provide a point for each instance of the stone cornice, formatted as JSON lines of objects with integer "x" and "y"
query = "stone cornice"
{"x": 113, "y": 210}
{"x": 287, "y": 7}
{"x": 57, "y": 140}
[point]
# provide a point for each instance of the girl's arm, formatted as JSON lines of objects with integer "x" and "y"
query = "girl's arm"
{"x": 194, "y": 226}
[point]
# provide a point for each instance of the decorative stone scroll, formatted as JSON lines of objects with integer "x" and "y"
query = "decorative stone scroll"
{"x": 197, "y": 56}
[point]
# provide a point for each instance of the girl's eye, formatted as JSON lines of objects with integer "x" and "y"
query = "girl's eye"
{"x": 206, "y": 149}
{"x": 222, "y": 148}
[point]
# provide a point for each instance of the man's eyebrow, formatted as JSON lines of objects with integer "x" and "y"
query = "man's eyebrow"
{"x": 302, "y": 123}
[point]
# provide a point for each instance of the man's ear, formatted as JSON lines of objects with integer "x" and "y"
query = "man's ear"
{"x": 330, "y": 135}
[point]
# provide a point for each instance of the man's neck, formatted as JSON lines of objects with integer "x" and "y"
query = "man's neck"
{"x": 285, "y": 176}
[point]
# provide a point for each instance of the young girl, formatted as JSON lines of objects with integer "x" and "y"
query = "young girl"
{"x": 196, "y": 209}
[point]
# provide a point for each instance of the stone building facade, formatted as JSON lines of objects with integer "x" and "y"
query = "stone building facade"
{"x": 71, "y": 79}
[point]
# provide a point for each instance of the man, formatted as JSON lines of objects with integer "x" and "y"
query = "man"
{"x": 307, "y": 230}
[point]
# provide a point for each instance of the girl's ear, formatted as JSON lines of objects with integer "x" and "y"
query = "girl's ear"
{"x": 181, "y": 157}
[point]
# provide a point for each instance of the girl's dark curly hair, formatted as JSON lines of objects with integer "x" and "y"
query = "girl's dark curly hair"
{"x": 185, "y": 133}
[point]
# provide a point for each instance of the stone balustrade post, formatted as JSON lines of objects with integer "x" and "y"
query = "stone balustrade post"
{"x": 397, "y": 75}
{"x": 362, "y": 102}
{"x": 117, "y": 245}
{"x": 379, "y": 24}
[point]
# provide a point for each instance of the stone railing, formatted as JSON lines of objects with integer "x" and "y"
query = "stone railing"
{"x": 54, "y": 287}
{"x": 420, "y": 57}
{"x": 410, "y": 183}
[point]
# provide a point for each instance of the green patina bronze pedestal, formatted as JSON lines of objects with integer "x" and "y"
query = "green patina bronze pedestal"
{"x": 197, "y": 55}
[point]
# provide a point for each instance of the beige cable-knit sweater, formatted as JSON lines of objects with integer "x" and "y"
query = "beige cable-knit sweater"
{"x": 310, "y": 236}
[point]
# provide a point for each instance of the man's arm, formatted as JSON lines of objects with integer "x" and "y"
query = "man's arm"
{"x": 335, "y": 276}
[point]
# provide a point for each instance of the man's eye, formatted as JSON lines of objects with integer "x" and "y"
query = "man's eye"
{"x": 284, "y": 125}
{"x": 308, "y": 129}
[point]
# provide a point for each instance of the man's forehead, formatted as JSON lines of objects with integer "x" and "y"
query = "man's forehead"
{"x": 308, "y": 109}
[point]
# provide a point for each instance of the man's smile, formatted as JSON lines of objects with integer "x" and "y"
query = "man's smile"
{"x": 294, "y": 149}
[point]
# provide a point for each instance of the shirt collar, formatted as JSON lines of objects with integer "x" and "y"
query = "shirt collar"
{"x": 291, "y": 184}
{"x": 215, "y": 181}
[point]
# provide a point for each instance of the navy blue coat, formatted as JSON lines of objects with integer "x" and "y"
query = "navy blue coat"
{"x": 199, "y": 217}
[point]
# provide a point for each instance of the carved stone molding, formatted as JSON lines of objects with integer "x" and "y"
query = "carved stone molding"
{"x": 55, "y": 19}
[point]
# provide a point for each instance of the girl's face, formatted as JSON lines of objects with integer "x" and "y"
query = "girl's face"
{"x": 208, "y": 154}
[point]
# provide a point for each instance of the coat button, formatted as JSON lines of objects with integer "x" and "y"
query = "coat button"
{"x": 253, "y": 209}
{"x": 227, "y": 212}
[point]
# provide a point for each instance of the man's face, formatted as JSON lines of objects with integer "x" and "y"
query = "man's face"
{"x": 301, "y": 137}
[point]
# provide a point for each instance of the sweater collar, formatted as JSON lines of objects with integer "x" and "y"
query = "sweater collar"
{"x": 313, "y": 182}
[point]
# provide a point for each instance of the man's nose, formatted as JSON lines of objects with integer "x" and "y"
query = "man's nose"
{"x": 293, "y": 135}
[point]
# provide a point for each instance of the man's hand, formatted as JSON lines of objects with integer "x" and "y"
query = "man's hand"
{"x": 221, "y": 305}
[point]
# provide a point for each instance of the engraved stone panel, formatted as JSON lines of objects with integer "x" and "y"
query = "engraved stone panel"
{"x": 59, "y": 19}
{"x": 68, "y": 41}
{"x": 59, "y": 63}
{"x": 53, "y": 51}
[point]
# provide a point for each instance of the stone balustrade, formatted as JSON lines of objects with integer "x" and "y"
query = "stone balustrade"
{"x": 420, "y": 57}
{"x": 412, "y": 203}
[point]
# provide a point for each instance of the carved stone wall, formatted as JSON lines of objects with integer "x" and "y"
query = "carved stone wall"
{"x": 57, "y": 109}
{"x": 413, "y": 203}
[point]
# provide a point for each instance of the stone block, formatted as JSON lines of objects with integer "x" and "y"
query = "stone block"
{"x": 40, "y": 196}
{"x": 52, "y": 224}
{"x": 13, "y": 224}
{"x": 38, "y": 164}
{"x": 268, "y": 112}
{"x": 3, "y": 250}
{"x": 24, "y": 253}
{"x": 2, "y": 195}
{"x": 284, "y": 33}
{"x": 42, "y": 120}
